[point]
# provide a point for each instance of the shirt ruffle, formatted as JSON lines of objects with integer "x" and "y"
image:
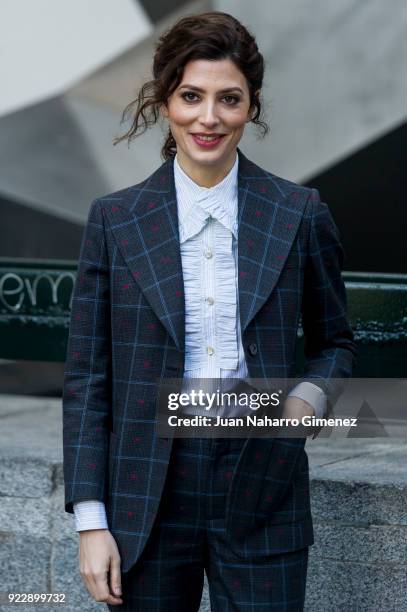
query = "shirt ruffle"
{"x": 227, "y": 353}
{"x": 217, "y": 324}
{"x": 226, "y": 302}
{"x": 194, "y": 340}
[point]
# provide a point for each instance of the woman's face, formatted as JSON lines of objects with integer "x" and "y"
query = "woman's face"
{"x": 211, "y": 100}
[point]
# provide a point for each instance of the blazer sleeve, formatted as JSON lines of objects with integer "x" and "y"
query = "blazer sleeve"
{"x": 86, "y": 401}
{"x": 329, "y": 348}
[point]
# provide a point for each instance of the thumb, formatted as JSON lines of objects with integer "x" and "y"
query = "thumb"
{"x": 115, "y": 576}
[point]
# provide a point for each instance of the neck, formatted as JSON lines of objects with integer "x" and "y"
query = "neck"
{"x": 203, "y": 175}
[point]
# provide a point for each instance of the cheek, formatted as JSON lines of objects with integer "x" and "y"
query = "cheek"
{"x": 235, "y": 120}
{"x": 181, "y": 116}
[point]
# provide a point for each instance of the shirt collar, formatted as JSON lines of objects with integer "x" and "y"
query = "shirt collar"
{"x": 195, "y": 202}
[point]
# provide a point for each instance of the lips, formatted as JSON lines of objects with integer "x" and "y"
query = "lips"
{"x": 207, "y": 140}
{"x": 203, "y": 135}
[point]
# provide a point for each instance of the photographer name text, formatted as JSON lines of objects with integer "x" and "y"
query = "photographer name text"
{"x": 264, "y": 421}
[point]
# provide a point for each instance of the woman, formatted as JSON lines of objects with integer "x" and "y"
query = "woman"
{"x": 200, "y": 271}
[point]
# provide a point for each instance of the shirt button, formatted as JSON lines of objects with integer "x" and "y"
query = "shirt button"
{"x": 210, "y": 350}
{"x": 210, "y": 300}
{"x": 252, "y": 349}
{"x": 208, "y": 253}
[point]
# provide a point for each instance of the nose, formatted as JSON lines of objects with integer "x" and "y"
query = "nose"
{"x": 209, "y": 116}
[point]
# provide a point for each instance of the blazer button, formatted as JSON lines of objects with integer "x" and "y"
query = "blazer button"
{"x": 252, "y": 348}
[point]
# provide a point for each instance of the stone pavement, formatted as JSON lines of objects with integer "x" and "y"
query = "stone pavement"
{"x": 359, "y": 499}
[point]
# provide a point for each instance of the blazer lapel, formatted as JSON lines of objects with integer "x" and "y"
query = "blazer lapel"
{"x": 268, "y": 223}
{"x": 144, "y": 221}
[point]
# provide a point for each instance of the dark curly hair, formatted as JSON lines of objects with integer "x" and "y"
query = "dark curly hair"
{"x": 213, "y": 35}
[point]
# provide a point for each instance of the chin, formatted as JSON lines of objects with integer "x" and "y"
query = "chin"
{"x": 201, "y": 157}
{"x": 209, "y": 157}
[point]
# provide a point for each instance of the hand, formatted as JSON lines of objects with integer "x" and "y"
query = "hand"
{"x": 98, "y": 555}
{"x": 296, "y": 408}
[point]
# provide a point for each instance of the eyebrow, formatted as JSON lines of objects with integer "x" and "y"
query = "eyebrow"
{"x": 228, "y": 89}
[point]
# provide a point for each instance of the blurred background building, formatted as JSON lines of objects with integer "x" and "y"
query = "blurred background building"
{"x": 335, "y": 96}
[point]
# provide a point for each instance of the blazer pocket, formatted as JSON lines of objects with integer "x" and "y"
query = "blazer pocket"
{"x": 284, "y": 461}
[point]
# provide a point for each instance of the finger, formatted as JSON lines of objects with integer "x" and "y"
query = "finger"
{"x": 101, "y": 586}
{"x": 115, "y": 576}
{"x": 114, "y": 601}
{"x": 102, "y": 593}
{"x": 89, "y": 583}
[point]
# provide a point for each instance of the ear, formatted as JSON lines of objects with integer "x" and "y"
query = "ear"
{"x": 251, "y": 109}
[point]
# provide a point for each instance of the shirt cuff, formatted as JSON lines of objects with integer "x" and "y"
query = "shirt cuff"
{"x": 90, "y": 515}
{"x": 313, "y": 395}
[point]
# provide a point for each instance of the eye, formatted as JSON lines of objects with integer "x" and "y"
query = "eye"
{"x": 233, "y": 100}
{"x": 191, "y": 96}
{"x": 186, "y": 95}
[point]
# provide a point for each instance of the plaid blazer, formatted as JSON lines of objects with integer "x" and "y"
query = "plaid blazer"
{"x": 127, "y": 331}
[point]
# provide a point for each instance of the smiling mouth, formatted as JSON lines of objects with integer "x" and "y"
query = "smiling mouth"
{"x": 207, "y": 140}
{"x": 208, "y": 137}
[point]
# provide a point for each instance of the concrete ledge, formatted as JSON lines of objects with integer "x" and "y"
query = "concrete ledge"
{"x": 359, "y": 501}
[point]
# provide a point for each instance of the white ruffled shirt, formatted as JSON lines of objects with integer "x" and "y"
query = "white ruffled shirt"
{"x": 208, "y": 238}
{"x": 208, "y": 226}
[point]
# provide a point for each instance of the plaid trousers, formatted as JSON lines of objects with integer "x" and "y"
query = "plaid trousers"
{"x": 188, "y": 538}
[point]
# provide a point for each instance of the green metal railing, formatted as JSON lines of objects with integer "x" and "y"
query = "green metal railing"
{"x": 35, "y": 303}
